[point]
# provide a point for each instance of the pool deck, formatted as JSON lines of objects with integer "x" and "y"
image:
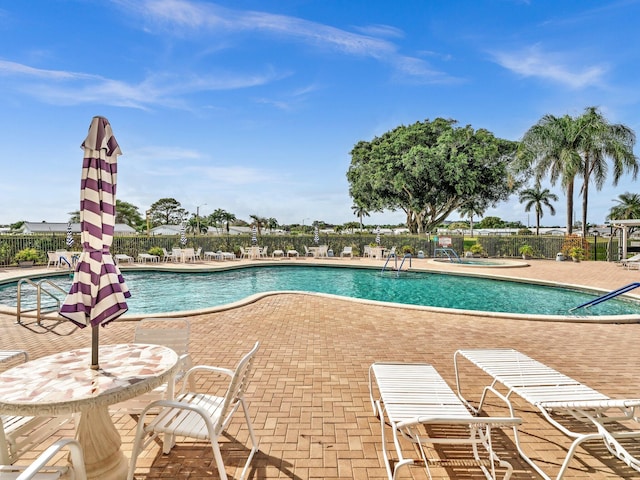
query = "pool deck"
{"x": 309, "y": 395}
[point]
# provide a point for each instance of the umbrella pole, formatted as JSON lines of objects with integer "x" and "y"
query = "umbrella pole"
{"x": 95, "y": 333}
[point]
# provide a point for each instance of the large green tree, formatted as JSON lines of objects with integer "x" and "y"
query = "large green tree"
{"x": 167, "y": 211}
{"x": 538, "y": 198}
{"x": 429, "y": 169}
{"x": 128, "y": 213}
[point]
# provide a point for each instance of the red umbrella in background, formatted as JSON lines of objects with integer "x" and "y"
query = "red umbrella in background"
{"x": 98, "y": 292}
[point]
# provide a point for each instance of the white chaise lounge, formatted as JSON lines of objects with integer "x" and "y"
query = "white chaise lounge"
{"x": 422, "y": 408}
{"x": 558, "y": 398}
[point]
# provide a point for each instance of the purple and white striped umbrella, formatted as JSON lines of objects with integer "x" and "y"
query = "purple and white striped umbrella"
{"x": 316, "y": 235}
{"x": 98, "y": 292}
{"x": 378, "y": 234}
{"x": 69, "y": 236}
{"x": 254, "y": 235}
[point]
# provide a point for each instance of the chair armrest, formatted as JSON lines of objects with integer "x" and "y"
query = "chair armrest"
{"x": 186, "y": 379}
{"x": 77, "y": 459}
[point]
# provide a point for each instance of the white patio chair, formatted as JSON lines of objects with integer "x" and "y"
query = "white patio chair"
{"x": 347, "y": 252}
{"x": 40, "y": 470}
{"x": 52, "y": 259}
{"x": 199, "y": 415}
{"x": 561, "y": 400}
{"x": 263, "y": 251}
{"x": 366, "y": 252}
{"x": 170, "y": 332}
{"x": 419, "y": 406}
{"x": 198, "y": 254}
{"x": 168, "y": 257}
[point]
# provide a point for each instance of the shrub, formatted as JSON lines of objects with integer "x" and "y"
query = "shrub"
{"x": 157, "y": 251}
{"x": 407, "y": 249}
{"x": 27, "y": 255}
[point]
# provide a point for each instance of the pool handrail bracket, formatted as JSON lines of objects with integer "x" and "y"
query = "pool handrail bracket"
{"x": 607, "y": 296}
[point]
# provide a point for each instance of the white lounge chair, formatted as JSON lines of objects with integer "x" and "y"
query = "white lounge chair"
{"x": 170, "y": 332}
{"x": 121, "y": 257}
{"x": 39, "y": 469}
{"x": 347, "y": 252}
{"x": 199, "y": 415}
{"x": 631, "y": 262}
{"x": 420, "y": 406}
{"x": 558, "y": 398}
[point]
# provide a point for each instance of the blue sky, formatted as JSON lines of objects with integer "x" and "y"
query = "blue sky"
{"x": 254, "y": 106}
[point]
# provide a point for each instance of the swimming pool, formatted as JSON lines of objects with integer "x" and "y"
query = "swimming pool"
{"x": 156, "y": 292}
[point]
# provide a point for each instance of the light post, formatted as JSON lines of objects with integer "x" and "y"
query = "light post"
{"x": 198, "y": 218}
{"x": 595, "y": 245}
{"x": 148, "y": 224}
{"x": 303, "y": 223}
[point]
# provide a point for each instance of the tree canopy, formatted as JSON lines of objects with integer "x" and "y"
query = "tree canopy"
{"x": 429, "y": 169}
{"x": 167, "y": 211}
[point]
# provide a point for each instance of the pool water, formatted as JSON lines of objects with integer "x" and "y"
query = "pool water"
{"x": 157, "y": 292}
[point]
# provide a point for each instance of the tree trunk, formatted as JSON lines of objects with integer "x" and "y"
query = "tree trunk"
{"x": 570, "y": 207}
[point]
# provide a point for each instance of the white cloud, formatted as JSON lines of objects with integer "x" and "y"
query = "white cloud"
{"x": 74, "y": 88}
{"x": 184, "y": 17}
{"x": 534, "y": 62}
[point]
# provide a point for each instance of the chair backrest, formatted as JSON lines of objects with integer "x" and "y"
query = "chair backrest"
{"x": 347, "y": 250}
{"x": 238, "y": 385}
{"x": 170, "y": 332}
{"x": 264, "y": 250}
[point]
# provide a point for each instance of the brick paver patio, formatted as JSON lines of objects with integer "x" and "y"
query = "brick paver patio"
{"x": 309, "y": 395}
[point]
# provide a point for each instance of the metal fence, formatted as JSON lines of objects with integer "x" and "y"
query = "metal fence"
{"x": 132, "y": 245}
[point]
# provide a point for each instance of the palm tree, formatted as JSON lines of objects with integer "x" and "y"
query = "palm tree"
{"x": 259, "y": 222}
{"x": 469, "y": 210}
{"x": 359, "y": 212}
{"x": 272, "y": 224}
{"x": 535, "y": 197}
{"x": 552, "y": 146}
{"x": 601, "y": 141}
{"x": 227, "y": 218}
{"x": 628, "y": 207}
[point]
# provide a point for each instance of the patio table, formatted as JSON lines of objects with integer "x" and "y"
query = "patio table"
{"x": 65, "y": 383}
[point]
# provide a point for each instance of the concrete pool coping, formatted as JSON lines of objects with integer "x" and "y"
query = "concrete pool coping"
{"x": 424, "y": 265}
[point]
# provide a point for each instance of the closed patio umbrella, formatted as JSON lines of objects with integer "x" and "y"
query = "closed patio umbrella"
{"x": 98, "y": 292}
{"x": 69, "y": 240}
{"x": 254, "y": 235}
{"x": 183, "y": 235}
{"x": 378, "y": 234}
{"x": 316, "y": 235}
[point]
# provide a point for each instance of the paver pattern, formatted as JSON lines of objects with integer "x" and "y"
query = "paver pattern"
{"x": 309, "y": 395}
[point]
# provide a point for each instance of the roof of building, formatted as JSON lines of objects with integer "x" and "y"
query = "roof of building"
{"x": 61, "y": 227}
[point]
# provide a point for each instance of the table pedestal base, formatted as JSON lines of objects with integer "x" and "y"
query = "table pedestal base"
{"x": 100, "y": 443}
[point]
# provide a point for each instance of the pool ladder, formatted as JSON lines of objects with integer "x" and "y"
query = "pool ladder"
{"x": 395, "y": 258}
{"x": 42, "y": 287}
{"x": 608, "y": 296}
{"x": 450, "y": 253}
